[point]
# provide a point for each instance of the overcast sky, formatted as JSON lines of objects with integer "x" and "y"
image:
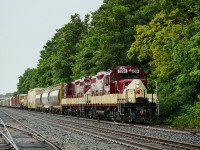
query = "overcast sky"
{"x": 26, "y": 26}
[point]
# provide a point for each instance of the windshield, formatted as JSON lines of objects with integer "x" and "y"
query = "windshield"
{"x": 128, "y": 76}
{"x": 133, "y": 76}
{"x": 122, "y": 76}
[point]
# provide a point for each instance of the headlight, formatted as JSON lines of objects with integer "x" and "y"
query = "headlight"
{"x": 150, "y": 100}
{"x": 129, "y": 99}
{"x": 137, "y": 84}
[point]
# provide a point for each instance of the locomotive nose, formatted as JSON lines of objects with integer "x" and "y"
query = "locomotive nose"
{"x": 125, "y": 83}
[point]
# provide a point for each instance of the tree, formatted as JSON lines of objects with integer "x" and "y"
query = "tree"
{"x": 56, "y": 59}
{"x": 110, "y": 35}
{"x": 168, "y": 44}
{"x": 27, "y": 81}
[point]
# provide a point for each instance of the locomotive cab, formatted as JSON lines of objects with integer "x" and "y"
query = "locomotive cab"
{"x": 122, "y": 76}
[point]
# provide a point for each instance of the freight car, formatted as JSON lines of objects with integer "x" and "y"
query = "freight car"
{"x": 51, "y": 99}
{"x": 119, "y": 95}
{"x": 44, "y": 99}
{"x": 14, "y": 102}
{"x": 34, "y": 101}
{"x": 18, "y": 101}
{"x": 22, "y": 101}
{"x": 6, "y": 102}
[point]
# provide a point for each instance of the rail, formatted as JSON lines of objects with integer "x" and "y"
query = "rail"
{"x": 8, "y": 138}
{"x": 111, "y": 135}
{"x": 34, "y": 133}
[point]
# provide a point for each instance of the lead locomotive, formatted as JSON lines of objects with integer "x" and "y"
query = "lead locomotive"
{"x": 117, "y": 94}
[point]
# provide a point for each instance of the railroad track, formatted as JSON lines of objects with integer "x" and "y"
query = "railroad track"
{"x": 5, "y": 141}
{"x": 17, "y": 136}
{"x": 157, "y": 127}
{"x": 120, "y": 137}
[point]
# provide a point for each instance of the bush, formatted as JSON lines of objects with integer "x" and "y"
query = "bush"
{"x": 190, "y": 116}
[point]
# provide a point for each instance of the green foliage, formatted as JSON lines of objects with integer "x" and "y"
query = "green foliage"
{"x": 55, "y": 61}
{"x": 56, "y": 58}
{"x": 154, "y": 44}
{"x": 188, "y": 9}
{"x": 161, "y": 36}
{"x": 27, "y": 81}
{"x": 110, "y": 36}
{"x": 169, "y": 45}
{"x": 195, "y": 55}
{"x": 168, "y": 102}
{"x": 15, "y": 93}
{"x": 189, "y": 116}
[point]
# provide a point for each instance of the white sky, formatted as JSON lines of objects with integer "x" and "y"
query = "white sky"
{"x": 26, "y": 26}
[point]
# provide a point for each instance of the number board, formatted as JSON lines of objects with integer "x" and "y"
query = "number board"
{"x": 135, "y": 71}
{"x": 122, "y": 70}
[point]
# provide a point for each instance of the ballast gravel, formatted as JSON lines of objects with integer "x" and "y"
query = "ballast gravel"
{"x": 74, "y": 140}
{"x": 153, "y": 132}
{"x": 69, "y": 139}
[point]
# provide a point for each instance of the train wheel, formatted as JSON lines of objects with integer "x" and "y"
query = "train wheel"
{"x": 98, "y": 118}
{"x": 114, "y": 116}
{"x": 122, "y": 119}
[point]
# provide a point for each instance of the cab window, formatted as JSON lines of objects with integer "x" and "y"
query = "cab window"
{"x": 113, "y": 78}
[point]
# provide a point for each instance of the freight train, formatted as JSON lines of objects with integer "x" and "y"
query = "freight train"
{"x": 119, "y": 94}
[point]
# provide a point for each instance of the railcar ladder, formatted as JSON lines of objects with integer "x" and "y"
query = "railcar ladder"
{"x": 119, "y": 106}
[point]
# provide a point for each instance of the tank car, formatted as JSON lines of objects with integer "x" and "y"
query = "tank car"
{"x": 45, "y": 100}
{"x": 51, "y": 99}
{"x": 54, "y": 99}
{"x": 33, "y": 102}
{"x": 119, "y": 94}
{"x": 38, "y": 100}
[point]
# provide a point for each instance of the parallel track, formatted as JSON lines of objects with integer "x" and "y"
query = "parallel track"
{"x": 121, "y": 137}
{"x": 17, "y": 136}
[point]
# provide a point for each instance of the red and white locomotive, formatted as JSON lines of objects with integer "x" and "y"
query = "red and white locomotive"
{"x": 117, "y": 94}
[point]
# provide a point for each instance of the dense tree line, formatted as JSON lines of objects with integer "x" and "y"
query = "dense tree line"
{"x": 161, "y": 36}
